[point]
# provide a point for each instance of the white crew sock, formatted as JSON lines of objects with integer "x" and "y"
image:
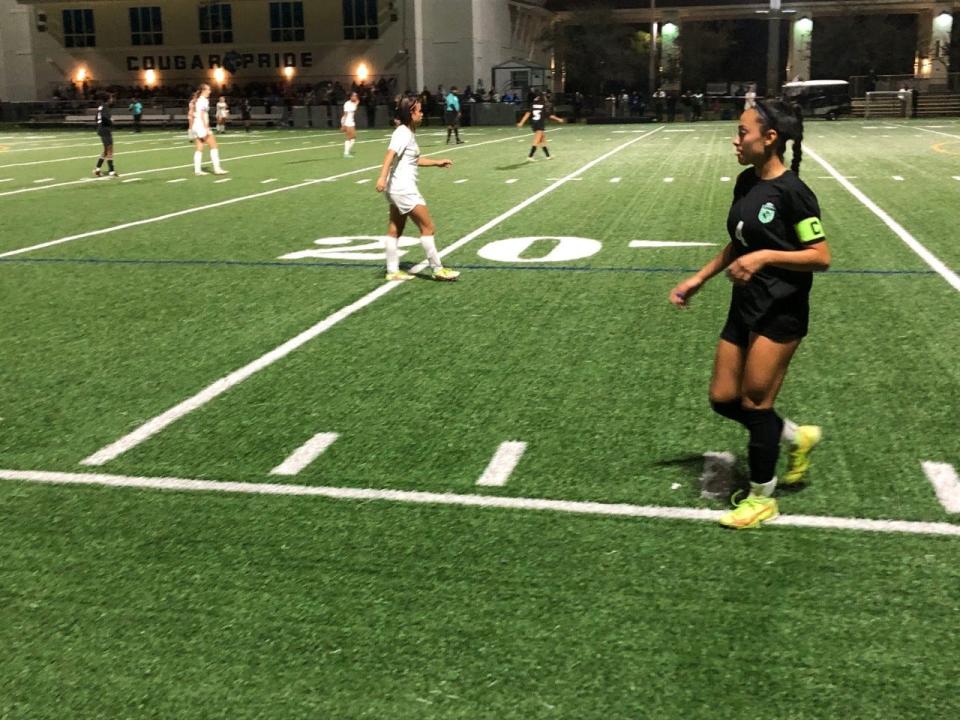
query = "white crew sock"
{"x": 393, "y": 254}
{"x": 347, "y": 146}
{"x": 198, "y": 161}
{"x": 763, "y": 489}
{"x": 430, "y": 248}
{"x": 789, "y": 434}
{"x": 215, "y": 157}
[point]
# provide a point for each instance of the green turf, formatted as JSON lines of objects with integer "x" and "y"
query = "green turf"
{"x": 144, "y": 604}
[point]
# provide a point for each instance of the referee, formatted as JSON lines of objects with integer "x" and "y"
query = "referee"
{"x": 776, "y": 244}
{"x": 105, "y": 131}
{"x": 451, "y": 115}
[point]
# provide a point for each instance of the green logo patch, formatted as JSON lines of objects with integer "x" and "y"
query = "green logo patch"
{"x": 767, "y": 213}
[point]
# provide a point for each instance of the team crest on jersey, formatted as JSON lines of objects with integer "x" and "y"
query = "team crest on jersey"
{"x": 767, "y": 213}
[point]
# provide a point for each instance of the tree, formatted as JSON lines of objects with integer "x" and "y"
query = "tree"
{"x": 845, "y": 46}
{"x": 598, "y": 53}
{"x": 705, "y": 48}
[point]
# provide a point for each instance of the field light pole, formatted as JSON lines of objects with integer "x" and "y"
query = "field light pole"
{"x": 653, "y": 48}
{"x": 774, "y": 15}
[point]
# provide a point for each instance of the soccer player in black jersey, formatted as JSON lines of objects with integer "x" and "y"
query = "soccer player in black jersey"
{"x": 776, "y": 244}
{"x": 538, "y": 114}
{"x": 105, "y": 131}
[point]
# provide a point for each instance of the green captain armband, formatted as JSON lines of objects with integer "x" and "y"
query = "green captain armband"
{"x": 809, "y": 230}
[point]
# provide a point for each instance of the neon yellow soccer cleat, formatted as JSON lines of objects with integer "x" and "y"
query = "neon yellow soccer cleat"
{"x": 445, "y": 274}
{"x": 750, "y": 512}
{"x": 798, "y": 456}
{"x": 398, "y": 275}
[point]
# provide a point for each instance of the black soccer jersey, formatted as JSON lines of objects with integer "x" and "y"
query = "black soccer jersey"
{"x": 778, "y": 214}
{"x": 104, "y": 118}
{"x": 538, "y": 116}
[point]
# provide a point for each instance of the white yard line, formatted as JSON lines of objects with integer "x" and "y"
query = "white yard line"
{"x": 177, "y": 180}
{"x": 898, "y": 178}
{"x": 615, "y": 179}
{"x": 177, "y": 167}
{"x": 222, "y": 203}
{"x": 130, "y": 180}
{"x": 121, "y": 154}
{"x": 725, "y": 179}
{"x": 268, "y": 181}
{"x": 305, "y": 454}
{"x": 928, "y": 257}
{"x": 158, "y": 423}
{"x": 44, "y": 180}
{"x": 668, "y": 179}
{"x": 511, "y": 181}
{"x": 945, "y": 483}
{"x": 458, "y": 182}
{"x": 666, "y": 243}
{"x": 222, "y": 180}
{"x": 502, "y": 464}
{"x": 464, "y": 500}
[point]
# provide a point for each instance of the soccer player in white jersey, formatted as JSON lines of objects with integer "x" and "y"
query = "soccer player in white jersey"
{"x": 223, "y": 112}
{"x": 348, "y": 123}
{"x": 398, "y": 177}
{"x": 200, "y": 131}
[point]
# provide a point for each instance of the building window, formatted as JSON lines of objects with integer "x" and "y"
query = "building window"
{"x": 216, "y": 23}
{"x": 78, "y": 29}
{"x": 361, "y": 20}
{"x": 146, "y": 26}
{"x": 286, "y": 21}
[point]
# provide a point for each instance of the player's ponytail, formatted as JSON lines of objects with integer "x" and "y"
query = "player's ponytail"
{"x": 797, "y": 140}
{"x": 787, "y": 120}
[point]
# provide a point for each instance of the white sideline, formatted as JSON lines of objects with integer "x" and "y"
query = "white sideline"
{"x": 158, "y": 423}
{"x": 502, "y": 464}
{"x": 222, "y": 203}
{"x": 483, "y": 501}
{"x": 305, "y": 454}
{"x": 945, "y": 483}
{"x": 928, "y": 257}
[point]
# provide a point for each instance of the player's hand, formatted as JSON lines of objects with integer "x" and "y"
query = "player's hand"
{"x": 444, "y": 163}
{"x": 381, "y": 184}
{"x": 519, "y": 125}
{"x": 681, "y": 294}
{"x": 744, "y": 267}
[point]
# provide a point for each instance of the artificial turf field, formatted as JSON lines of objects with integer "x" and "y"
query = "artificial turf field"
{"x": 124, "y": 300}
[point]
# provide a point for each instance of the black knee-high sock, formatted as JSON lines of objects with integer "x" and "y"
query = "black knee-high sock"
{"x": 765, "y": 427}
{"x": 110, "y": 164}
{"x": 448, "y": 134}
{"x": 99, "y": 163}
{"x": 730, "y": 409}
{"x": 456, "y": 131}
{"x": 545, "y": 151}
{"x": 533, "y": 150}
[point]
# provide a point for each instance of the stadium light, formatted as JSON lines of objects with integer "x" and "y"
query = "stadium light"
{"x": 288, "y": 72}
{"x": 944, "y": 21}
{"x": 219, "y": 74}
{"x": 150, "y": 77}
{"x": 804, "y": 24}
{"x": 670, "y": 29}
{"x": 362, "y": 72}
{"x": 81, "y": 74}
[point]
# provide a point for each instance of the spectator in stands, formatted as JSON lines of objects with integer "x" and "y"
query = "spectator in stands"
{"x": 659, "y": 98}
{"x": 750, "y": 97}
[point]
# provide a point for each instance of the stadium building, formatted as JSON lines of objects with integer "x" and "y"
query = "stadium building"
{"x": 413, "y": 43}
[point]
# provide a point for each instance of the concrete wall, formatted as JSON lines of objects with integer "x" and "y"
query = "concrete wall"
{"x": 17, "y": 81}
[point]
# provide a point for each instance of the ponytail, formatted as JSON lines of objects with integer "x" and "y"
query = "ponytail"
{"x": 787, "y": 120}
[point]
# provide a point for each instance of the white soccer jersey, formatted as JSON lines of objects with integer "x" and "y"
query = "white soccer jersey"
{"x": 403, "y": 175}
{"x": 222, "y": 109}
{"x": 201, "y": 111}
{"x": 349, "y": 110}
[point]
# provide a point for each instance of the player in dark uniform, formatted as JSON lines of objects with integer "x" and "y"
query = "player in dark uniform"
{"x": 538, "y": 114}
{"x": 776, "y": 244}
{"x": 105, "y": 131}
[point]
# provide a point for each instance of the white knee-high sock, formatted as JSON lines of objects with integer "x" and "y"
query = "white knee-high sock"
{"x": 430, "y": 248}
{"x": 215, "y": 157}
{"x": 393, "y": 254}
{"x": 789, "y": 432}
{"x": 198, "y": 161}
